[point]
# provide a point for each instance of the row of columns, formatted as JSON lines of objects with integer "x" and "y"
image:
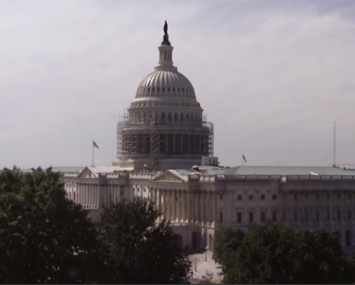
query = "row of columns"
{"x": 184, "y": 206}
{"x": 87, "y": 194}
{"x": 113, "y": 194}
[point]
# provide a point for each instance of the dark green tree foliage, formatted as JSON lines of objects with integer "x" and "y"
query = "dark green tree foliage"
{"x": 273, "y": 254}
{"x": 44, "y": 238}
{"x": 138, "y": 249}
{"x": 225, "y": 241}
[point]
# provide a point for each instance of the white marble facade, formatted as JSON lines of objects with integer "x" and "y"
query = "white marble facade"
{"x": 198, "y": 204}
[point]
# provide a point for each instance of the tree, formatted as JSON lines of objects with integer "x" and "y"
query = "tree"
{"x": 140, "y": 249}
{"x": 274, "y": 254}
{"x": 44, "y": 237}
{"x": 226, "y": 240}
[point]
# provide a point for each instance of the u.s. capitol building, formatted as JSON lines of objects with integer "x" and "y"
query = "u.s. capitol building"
{"x": 165, "y": 153}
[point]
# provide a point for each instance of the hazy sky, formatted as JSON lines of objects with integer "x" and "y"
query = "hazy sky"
{"x": 273, "y": 76}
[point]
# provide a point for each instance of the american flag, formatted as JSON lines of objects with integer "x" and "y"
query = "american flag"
{"x": 244, "y": 158}
{"x": 95, "y": 145}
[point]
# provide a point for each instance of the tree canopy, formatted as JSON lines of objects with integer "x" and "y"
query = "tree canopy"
{"x": 274, "y": 254}
{"x": 226, "y": 240}
{"x": 44, "y": 237}
{"x": 140, "y": 246}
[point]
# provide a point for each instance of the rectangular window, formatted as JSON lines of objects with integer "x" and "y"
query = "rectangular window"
{"x": 306, "y": 215}
{"x": 284, "y": 215}
{"x": 295, "y": 215}
{"x": 349, "y": 196}
{"x": 339, "y": 196}
{"x": 274, "y": 197}
{"x": 239, "y": 217}
{"x": 221, "y": 197}
{"x": 262, "y": 216}
{"x": 339, "y": 216}
{"x": 328, "y": 196}
{"x": 317, "y": 196}
{"x": 306, "y": 196}
{"x": 328, "y": 215}
{"x": 295, "y": 196}
{"x": 274, "y": 216}
{"x": 349, "y": 215}
{"x": 317, "y": 215}
{"x": 251, "y": 197}
{"x": 262, "y": 197}
{"x": 239, "y": 197}
{"x": 251, "y": 217}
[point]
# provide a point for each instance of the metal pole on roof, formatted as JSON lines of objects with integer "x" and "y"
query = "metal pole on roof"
{"x": 334, "y": 145}
{"x": 93, "y": 152}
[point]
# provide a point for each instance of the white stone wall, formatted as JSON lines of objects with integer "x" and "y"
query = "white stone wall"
{"x": 208, "y": 206}
{"x": 197, "y": 208}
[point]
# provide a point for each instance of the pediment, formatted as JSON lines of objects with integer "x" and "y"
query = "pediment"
{"x": 168, "y": 176}
{"x": 87, "y": 173}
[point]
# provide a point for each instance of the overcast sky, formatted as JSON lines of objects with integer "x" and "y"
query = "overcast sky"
{"x": 272, "y": 76}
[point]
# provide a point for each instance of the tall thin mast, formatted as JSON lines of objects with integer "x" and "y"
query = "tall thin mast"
{"x": 334, "y": 150}
{"x": 93, "y": 162}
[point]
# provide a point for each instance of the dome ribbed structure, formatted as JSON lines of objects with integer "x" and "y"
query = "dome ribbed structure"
{"x": 168, "y": 83}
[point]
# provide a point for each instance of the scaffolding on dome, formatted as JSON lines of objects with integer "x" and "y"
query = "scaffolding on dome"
{"x": 154, "y": 142}
{"x": 210, "y": 126}
{"x": 143, "y": 137}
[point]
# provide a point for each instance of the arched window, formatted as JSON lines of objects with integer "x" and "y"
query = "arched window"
{"x": 221, "y": 215}
{"x": 175, "y": 117}
{"x": 179, "y": 240}
{"x": 194, "y": 240}
{"x": 192, "y": 117}
{"x": 210, "y": 241}
{"x": 169, "y": 117}
{"x": 187, "y": 117}
{"x": 163, "y": 116}
{"x": 182, "y": 117}
{"x": 348, "y": 238}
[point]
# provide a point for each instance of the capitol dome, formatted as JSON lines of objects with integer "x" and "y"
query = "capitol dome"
{"x": 165, "y": 127}
{"x": 165, "y": 83}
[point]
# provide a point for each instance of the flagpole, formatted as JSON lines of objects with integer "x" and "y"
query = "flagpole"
{"x": 334, "y": 146}
{"x": 93, "y": 153}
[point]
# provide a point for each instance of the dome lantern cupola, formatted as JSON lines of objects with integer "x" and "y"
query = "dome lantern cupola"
{"x": 166, "y": 52}
{"x": 165, "y": 58}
